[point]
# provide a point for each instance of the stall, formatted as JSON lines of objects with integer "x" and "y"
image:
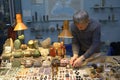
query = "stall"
{"x": 49, "y": 62}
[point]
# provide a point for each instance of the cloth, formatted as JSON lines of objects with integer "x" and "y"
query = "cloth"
{"x": 11, "y": 33}
{"x": 114, "y": 49}
{"x": 86, "y": 42}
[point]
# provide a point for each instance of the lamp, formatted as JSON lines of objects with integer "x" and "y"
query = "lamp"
{"x": 65, "y": 33}
{"x": 20, "y": 25}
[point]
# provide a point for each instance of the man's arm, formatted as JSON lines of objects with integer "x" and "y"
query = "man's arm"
{"x": 95, "y": 43}
{"x": 75, "y": 43}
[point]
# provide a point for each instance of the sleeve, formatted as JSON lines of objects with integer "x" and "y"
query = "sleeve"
{"x": 95, "y": 42}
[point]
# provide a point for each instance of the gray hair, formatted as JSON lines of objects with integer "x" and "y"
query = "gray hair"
{"x": 80, "y": 16}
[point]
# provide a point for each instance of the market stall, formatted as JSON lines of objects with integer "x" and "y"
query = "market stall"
{"x": 44, "y": 61}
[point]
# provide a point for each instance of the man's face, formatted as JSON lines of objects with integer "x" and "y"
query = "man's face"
{"x": 82, "y": 25}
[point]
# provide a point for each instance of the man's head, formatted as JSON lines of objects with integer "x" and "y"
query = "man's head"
{"x": 81, "y": 19}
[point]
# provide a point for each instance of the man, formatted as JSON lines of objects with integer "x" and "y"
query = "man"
{"x": 86, "y": 38}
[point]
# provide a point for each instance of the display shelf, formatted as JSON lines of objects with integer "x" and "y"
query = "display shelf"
{"x": 96, "y": 69}
{"x": 110, "y": 15}
{"x": 106, "y": 20}
{"x": 103, "y": 7}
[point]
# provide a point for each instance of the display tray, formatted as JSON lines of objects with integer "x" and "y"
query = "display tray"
{"x": 109, "y": 70}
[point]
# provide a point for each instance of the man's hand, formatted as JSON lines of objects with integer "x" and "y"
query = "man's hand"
{"x": 73, "y": 59}
{"x": 78, "y": 62}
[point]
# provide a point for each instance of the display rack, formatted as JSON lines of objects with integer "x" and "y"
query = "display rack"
{"x": 106, "y": 20}
{"x": 103, "y": 7}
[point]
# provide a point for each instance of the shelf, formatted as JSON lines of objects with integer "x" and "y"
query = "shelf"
{"x": 103, "y": 7}
{"x": 106, "y": 20}
{"x": 29, "y": 22}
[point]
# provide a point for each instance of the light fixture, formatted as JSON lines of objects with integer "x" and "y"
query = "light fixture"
{"x": 20, "y": 25}
{"x": 65, "y": 32}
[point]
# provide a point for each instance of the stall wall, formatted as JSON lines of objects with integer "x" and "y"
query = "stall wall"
{"x": 108, "y": 13}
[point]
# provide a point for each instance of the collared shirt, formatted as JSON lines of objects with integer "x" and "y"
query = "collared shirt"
{"x": 86, "y": 42}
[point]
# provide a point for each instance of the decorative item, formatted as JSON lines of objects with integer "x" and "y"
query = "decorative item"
{"x": 44, "y": 52}
{"x": 64, "y": 62}
{"x": 23, "y": 46}
{"x": 28, "y": 63}
{"x": 58, "y": 49}
{"x": 6, "y": 56}
{"x": 46, "y": 43}
{"x": 37, "y": 64}
{"x": 31, "y": 43}
{"x": 17, "y": 54}
{"x": 46, "y": 63}
{"x": 9, "y": 42}
{"x": 55, "y": 62}
{"x": 27, "y": 53}
{"x": 52, "y": 52}
{"x": 36, "y": 44}
{"x": 7, "y": 49}
{"x": 16, "y": 63}
{"x": 17, "y": 44}
{"x": 36, "y": 53}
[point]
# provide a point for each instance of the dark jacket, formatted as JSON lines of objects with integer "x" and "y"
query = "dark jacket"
{"x": 86, "y": 42}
